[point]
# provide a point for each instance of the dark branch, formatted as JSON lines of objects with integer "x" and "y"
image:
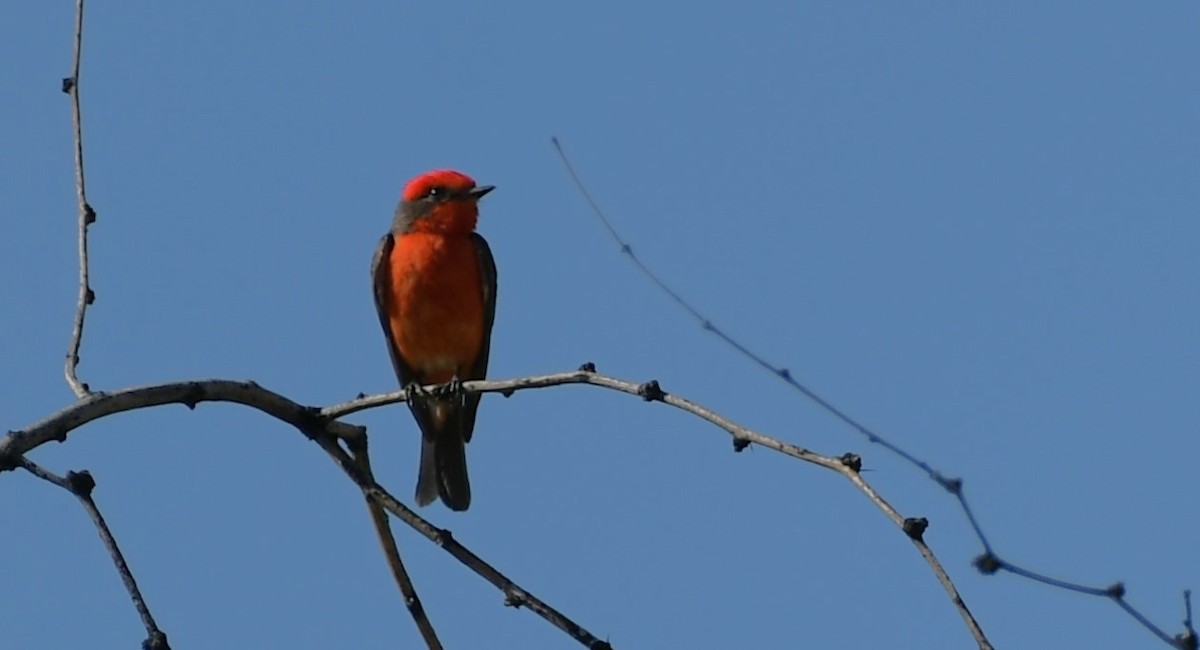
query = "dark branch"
{"x": 1187, "y": 640}
{"x": 391, "y": 553}
{"x": 379, "y": 497}
{"x": 81, "y": 484}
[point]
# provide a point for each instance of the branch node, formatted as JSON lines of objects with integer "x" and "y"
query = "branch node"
{"x": 952, "y": 485}
{"x": 444, "y": 537}
{"x": 413, "y": 604}
{"x": 310, "y": 421}
{"x": 81, "y": 483}
{"x": 89, "y": 297}
{"x": 785, "y": 373}
{"x": 360, "y": 395}
{"x": 89, "y": 214}
{"x": 514, "y": 598}
{"x": 68, "y": 84}
{"x": 9, "y": 461}
{"x": 651, "y": 391}
{"x": 1116, "y": 590}
{"x": 587, "y": 366}
{"x": 156, "y": 641}
{"x": 193, "y": 396}
{"x": 507, "y": 392}
{"x": 853, "y": 461}
{"x": 740, "y": 444}
{"x": 988, "y": 564}
{"x": 915, "y": 527}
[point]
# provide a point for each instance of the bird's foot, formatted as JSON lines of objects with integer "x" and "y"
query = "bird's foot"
{"x": 415, "y": 392}
{"x": 452, "y": 390}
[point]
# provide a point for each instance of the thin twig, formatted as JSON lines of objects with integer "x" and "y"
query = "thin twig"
{"x": 1187, "y": 640}
{"x": 391, "y": 552}
{"x": 708, "y": 325}
{"x": 87, "y": 216}
{"x": 81, "y": 485}
{"x": 1141, "y": 618}
{"x": 988, "y": 561}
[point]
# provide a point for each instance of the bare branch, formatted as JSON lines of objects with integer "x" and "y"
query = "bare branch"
{"x": 188, "y": 393}
{"x": 514, "y": 595}
{"x": 81, "y": 485}
{"x": 87, "y": 216}
{"x": 310, "y": 421}
{"x": 391, "y": 552}
{"x": 988, "y": 562}
{"x": 844, "y": 465}
{"x": 324, "y": 427}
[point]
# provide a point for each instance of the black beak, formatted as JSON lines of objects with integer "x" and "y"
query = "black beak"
{"x": 478, "y": 192}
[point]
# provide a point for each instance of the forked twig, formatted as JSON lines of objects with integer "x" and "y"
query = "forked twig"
{"x": 514, "y": 595}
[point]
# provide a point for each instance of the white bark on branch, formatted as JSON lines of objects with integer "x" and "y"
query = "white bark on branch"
{"x": 87, "y": 215}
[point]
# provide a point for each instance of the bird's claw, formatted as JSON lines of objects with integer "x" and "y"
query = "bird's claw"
{"x": 452, "y": 389}
{"x": 414, "y": 392}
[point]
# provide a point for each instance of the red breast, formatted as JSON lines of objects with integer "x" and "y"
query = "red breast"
{"x": 437, "y": 311}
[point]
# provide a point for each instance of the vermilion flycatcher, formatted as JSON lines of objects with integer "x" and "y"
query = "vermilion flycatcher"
{"x": 435, "y": 290}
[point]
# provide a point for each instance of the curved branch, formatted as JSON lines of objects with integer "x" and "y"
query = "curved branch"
{"x": 324, "y": 426}
{"x": 310, "y": 421}
{"x": 847, "y": 465}
{"x": 189, "y": 393}
{"x": 988, "y": 562}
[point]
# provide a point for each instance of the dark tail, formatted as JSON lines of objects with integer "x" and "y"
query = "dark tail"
{"x": 443, "y": 470}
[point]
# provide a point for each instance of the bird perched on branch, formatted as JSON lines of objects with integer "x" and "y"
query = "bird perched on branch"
{"x": 435, "y": 291}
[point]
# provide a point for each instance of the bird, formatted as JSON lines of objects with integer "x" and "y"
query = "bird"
{"x": 434, "y": 280}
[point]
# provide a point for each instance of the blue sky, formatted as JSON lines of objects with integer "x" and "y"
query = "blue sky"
{"x": 974, "y": 228}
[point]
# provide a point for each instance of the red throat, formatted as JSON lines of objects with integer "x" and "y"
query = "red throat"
{"x": 457, "y": 218}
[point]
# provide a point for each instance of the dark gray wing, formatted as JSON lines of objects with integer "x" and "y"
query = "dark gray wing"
{"x": 478, "y": 368}
{"x": 381, "y": 278}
